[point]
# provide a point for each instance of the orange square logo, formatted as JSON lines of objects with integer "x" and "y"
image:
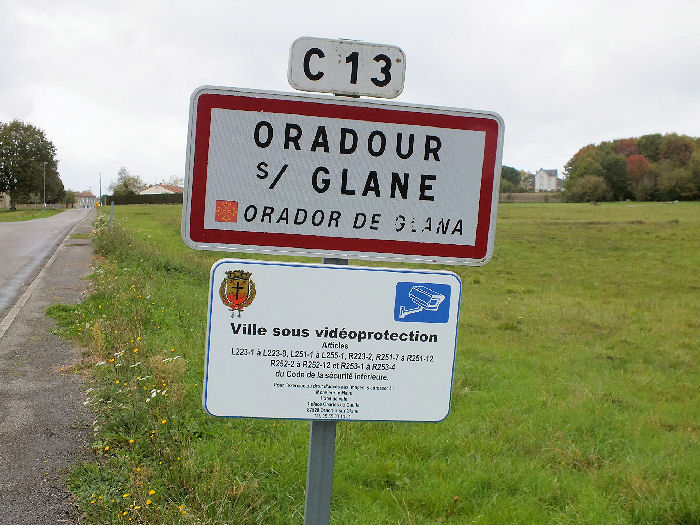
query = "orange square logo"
{"x": 226, "y": 211}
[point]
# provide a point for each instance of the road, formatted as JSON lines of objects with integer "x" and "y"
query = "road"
{"x": 44, "y": 426}
{"x": 24, "y": 248}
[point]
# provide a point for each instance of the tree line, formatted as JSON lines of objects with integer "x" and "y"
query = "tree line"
{"x": 516, "y": 181}
{"x": 130, "y": 184}
{"x": 646, "y": 168}
{"x": 26, "y": 157}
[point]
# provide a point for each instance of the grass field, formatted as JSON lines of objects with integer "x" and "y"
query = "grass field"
{"x": 575, "y": 396}
{"x": 26, "y": 214}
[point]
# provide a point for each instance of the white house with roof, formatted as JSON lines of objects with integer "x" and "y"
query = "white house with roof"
{"x": 85, "y": 199}
{"x": 547, "y": 180}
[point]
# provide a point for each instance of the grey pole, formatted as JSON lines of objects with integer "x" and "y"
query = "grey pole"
{"x": 319, "y": 469}
{"x": 319, "y": 473}
{"x": 44, "y": 184}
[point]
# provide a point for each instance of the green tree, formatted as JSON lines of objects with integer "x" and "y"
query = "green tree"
{"x": 512, "y": 175}
{"x": 644, "y": 189}
{"x": 677, "y": 148}
{"x": 615, "y": 174}
{"x": 126, "y": 184}
{"x": 69, "y": 199}
{"x": 28, "y": 164}
{"x": 584, "y": 165}
{"x": 508, "y": 187}
{"x": 677, "y": 184}
{"x": 650, "y": 146}
{"x": 694, "y": 166}
{"x": 584, "y": 152}
{"x": 589, "y": 188}
{"x": 528, "y": 180}
{"x": 605, "y": 149}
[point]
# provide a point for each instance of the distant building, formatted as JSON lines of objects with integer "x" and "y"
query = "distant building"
{"x": 4, "y": 200}
{"x": 85, "y": 199}
{"x": 547, "y": 180}
{"x": 162, "y": 188}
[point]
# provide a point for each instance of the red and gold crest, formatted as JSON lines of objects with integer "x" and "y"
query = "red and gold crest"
{"x": 237, "y": 290}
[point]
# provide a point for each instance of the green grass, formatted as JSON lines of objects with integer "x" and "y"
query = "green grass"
{"x": 575, "y": 397}
{"x": 25, "y": 214}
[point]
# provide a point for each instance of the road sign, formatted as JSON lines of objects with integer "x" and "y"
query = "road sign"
{"x": 324, "y": 176}
{"x": 289, "y": 340}
{"x": 347, "y": 67}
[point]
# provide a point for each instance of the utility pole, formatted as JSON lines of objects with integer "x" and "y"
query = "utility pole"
{"x": 44, "y": 184}
{"x": 100, "y": 201}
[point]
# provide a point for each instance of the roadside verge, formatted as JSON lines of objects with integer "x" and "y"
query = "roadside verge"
{"x": 44, "y": 426}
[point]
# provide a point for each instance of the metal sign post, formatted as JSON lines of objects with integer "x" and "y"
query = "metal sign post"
{"x": 319, "y": 467}
{"x": 319, "y": 473}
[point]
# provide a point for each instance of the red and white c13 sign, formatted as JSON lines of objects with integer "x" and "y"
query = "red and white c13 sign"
{"x": 314, "y": 175}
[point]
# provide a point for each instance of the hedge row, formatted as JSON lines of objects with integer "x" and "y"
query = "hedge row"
{"x": 156, "y": 198}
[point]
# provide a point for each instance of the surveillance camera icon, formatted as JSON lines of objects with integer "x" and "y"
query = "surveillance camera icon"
{"x": 424, "y": 298}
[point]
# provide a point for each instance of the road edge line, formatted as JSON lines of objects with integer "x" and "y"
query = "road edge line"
{"x": 10, "y": 317}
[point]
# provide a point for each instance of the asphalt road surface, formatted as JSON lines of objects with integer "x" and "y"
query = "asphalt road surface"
{"x": 44, "y": 427}
{"x": 25, "y": 247}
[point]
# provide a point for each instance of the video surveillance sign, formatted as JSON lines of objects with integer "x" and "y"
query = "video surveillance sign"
{"x": 334, "y": 177}
{"x": 283, "y": 342}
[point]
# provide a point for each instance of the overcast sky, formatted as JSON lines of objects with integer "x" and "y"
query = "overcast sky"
{"x": 110, "y": 82}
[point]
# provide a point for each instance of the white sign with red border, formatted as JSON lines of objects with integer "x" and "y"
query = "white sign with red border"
{"x": 297, "y": 174}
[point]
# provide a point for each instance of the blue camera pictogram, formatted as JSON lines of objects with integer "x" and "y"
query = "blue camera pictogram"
{"x": 422, "y": 303}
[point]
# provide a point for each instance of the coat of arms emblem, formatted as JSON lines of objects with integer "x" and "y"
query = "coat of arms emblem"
{"x": 237, "y": 290}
